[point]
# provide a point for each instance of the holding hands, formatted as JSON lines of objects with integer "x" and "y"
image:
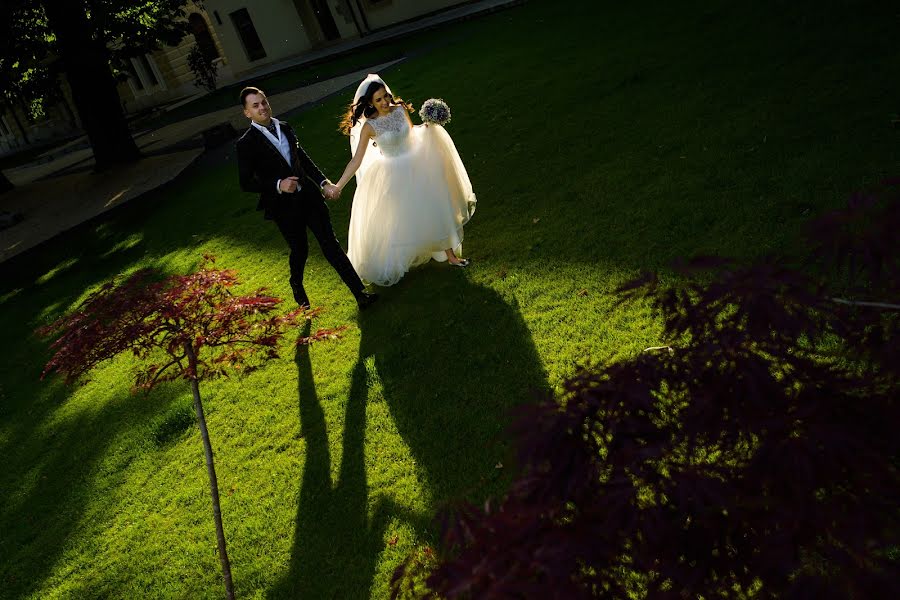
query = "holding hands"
{"x": 331, "y": 191}
{"x": 289, "y": 185}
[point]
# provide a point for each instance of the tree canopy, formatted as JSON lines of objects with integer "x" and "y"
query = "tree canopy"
{"x": 24, "y": 42}
{"x": 89, "y": 41}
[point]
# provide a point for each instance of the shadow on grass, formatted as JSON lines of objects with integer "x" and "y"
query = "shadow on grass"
{"x": 336, "y": 542}
{"x": 51, "y": 464}
{"x": 51, "y": 479}
{"x": 449, "y": 384}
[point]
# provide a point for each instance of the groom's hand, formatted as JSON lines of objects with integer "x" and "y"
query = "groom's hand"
{"x": 289, "y": 184}
{"x": 331, "y": 191}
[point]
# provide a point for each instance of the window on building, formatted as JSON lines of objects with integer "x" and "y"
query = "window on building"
{"x": 145, "y": 76}
{"x": 148, "y": 70}
{"x": 203, "y": 37}
{"x": 135, "y": 80}
{"x": 247, "y": 32}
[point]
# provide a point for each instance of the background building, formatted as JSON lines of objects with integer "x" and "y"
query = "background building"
{"x": 242, "y": 36}
{"x": 256, "y": 34}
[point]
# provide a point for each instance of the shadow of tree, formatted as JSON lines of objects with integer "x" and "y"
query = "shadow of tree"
{"x": 50, "y": 476}
{"x": 51, "y": 464}
{"x": 451, "y": 419}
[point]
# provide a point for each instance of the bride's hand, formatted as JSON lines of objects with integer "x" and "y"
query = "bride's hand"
{"x": 332, "y": 191}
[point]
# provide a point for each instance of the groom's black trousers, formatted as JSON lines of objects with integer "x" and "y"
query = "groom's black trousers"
{"x": 292, "y": 220}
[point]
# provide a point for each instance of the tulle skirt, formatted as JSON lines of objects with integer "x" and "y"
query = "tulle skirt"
{"x": 409, "y": 207}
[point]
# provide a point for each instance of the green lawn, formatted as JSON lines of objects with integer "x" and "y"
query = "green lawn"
{"x": 602, "y": 139}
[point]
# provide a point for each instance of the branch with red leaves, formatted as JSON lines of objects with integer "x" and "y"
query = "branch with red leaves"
{"x": 144, "y": 314}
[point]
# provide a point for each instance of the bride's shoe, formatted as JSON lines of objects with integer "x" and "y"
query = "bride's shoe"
{"x": 460, "y": 262}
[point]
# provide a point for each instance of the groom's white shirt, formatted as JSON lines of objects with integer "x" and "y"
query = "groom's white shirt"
{"x": 281, "y": 144}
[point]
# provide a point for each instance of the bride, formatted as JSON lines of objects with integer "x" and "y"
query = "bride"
{"x": 413, "y": 194}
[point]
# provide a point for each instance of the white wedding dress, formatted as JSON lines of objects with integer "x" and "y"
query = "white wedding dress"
{"x": 412, "y": 198}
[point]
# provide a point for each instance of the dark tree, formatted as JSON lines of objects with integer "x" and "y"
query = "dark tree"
{"x": 85, "y": 39}
{"x": 85, "y": 61}
{"x": 754, "y": 456}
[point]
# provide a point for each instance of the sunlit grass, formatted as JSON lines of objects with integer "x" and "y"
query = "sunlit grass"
{"x": 601, "y": 144}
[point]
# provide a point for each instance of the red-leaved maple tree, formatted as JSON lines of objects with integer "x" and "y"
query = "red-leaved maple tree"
{"x": 755, "y": 456}
{"x": 193, "y": 323}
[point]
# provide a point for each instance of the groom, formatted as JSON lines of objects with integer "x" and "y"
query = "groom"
{"x": 272, "y": 163}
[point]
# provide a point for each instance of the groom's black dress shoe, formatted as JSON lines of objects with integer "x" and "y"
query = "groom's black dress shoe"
{"x": 365, "y": 300}
{"x": 300, "y": 296}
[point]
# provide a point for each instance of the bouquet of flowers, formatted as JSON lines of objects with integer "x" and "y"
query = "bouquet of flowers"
{"x": 435, "y": 110}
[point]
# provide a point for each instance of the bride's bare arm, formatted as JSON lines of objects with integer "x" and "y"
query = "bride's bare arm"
{"x": 364, "y": 137}
{"x": 408, "y": 120}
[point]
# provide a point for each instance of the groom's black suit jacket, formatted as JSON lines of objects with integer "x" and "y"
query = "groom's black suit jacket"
{"x": 260, "y": 166}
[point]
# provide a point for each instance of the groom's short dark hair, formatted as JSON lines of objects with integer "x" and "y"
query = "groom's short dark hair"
{"x": 247, "y": 91}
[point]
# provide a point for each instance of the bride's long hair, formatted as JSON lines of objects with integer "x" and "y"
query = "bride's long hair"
{"x": 364, "y": 107}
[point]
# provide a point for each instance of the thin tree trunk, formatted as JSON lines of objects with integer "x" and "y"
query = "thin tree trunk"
{"x": 211, "y": 471}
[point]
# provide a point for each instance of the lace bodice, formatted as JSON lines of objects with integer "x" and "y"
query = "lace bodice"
{"x": 392, "y": 132}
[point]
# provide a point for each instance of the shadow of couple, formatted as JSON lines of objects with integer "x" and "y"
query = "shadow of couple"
{"x": 450, "y": 366}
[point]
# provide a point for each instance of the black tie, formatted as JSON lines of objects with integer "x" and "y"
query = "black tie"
{"x": 271, "y": 128}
